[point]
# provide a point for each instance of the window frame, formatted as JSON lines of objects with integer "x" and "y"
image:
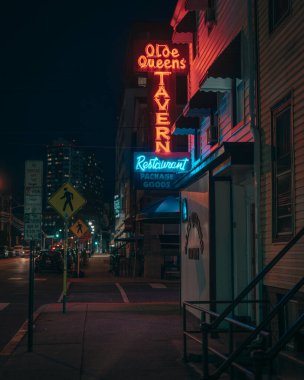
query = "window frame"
{"x": 274, "y": 25}
{"x": 237, "y": 103}
{"x": 277, "y": 110}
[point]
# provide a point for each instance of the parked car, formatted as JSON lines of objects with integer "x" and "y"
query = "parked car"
{"x": 18, "y": 250}
{"x": 4, "y": 253}
{"x": 52, "y": 260}
{"x": 49, "y": 260}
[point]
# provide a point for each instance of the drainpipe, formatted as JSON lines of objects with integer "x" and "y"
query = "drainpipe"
{"x": 254, "y": 105}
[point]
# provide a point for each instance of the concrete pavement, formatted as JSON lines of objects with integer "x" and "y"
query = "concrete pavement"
{"x": 104, "y": 341}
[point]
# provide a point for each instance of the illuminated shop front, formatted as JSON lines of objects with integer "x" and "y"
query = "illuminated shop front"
{"x": 217, "y": 235}
{"x": 161, "y": 62}
{"x": 156, "y": 170}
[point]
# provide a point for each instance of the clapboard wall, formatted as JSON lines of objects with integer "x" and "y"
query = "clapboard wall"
{"x": 231, "y": 18}
{"x": 281, "y": 71}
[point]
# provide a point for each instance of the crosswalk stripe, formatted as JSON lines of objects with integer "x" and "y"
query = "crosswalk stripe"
{"x": 122, "y": 292}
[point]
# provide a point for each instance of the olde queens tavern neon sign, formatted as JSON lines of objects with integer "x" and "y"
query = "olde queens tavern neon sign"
{"x": 162, "y": 61}
{"x": 159, "y": 169}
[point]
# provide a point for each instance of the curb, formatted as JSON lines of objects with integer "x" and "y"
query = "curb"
{"x": 16, "y": 339}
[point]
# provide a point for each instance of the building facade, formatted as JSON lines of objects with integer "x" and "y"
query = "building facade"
{"x": 280, "y": 35}
{"x": 218, "y": 247}
{"x": 68, "y": 163}
{"x": 148, "y": 246}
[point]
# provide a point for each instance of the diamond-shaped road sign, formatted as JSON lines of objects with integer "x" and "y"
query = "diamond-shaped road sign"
{"x": 67, "y": 201}
{"x": 79, "y": 228}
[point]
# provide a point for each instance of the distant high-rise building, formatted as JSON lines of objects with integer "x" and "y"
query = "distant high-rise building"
{"x": 67, "y": 162}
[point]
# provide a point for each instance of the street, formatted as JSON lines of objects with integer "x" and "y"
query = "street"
{"x": 14, "y": 294}
{"x": 98, "y": 286}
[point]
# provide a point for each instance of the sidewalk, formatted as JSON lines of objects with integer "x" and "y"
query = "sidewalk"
{"x": 102, "y": 341}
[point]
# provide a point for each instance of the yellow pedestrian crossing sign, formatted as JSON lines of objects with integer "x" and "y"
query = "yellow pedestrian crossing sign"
{"x": 79, "y": 228}
{"x": 67, "y": 201}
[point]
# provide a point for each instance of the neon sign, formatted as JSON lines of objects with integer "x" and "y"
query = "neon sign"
{"x": 161, "y": 57}
{"x": 162, "y": 61}
{"x": 149, "y": 162}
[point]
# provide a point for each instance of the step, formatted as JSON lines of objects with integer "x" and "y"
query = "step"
{"x": 290, "y": 365}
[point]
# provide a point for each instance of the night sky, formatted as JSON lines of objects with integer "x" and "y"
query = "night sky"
{"x": 61, "y": 65}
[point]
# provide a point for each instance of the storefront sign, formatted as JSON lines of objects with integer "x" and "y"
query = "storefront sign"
{"x": 33, "y": 200}
{"x": 149, "y": 162}
{"x": 154, "y": 181}
{"x": 161, "y": 57}
{"x": 162, "y": 60}
{"x": 117, "y": 206}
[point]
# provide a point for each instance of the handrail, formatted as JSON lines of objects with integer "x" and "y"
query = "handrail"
{"x": 227, "y": 319}
{"x": 255, "y": 281}
{"x": 207, "y": 327}
{"x": 259, "y": 328}
{"x": 272, "y": 352}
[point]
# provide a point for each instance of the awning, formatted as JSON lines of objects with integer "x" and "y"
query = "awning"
{"x": 185, "y": 125}
{"x": 187, "y": 24}
{"x": 182, "y": 38}
{"x": 216, "y": 85}
{"x": 236, "y": 154}
{"x": 200, "y": 104}
{"x": 227, "y": 65}
{"x": 196, "y": 5}
{"x": 164, "y": 211}
{"x": 183, "y": 21}
{"x": 184, "y": 6}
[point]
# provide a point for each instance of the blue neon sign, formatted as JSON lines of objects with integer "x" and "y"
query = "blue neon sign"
{"x": 151, "y": 162}
{"x": 184, "y": 210}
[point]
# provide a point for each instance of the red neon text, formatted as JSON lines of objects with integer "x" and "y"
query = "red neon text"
{"x": 161, "y": 57}
{"x": 162, "y": 118}
{"x": 162, "y": 60}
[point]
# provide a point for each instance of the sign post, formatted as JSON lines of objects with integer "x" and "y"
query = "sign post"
{"x": 32, "y": 229}
{"x": 66, "y": 201}
{"x": 65, "y": 266}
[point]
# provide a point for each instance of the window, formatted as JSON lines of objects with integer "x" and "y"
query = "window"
{"x": 282, "y": 170}
{"x": 142, "y": 81}
{"x": 278, "y": 11}
{"x": 238, "y": 101}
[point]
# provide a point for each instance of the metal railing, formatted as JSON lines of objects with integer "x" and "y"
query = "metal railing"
{"x": 265, "y": 354}
{"x": 201, "y": 335}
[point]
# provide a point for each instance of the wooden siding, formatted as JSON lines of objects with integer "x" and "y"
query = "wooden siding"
{"x": 281, "y": 56}
{"x": 231, "y": 18}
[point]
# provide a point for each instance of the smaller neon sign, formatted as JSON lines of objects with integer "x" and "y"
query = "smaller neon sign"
{"x": 184, "y": 210}
{"x": 173, "y": 163}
